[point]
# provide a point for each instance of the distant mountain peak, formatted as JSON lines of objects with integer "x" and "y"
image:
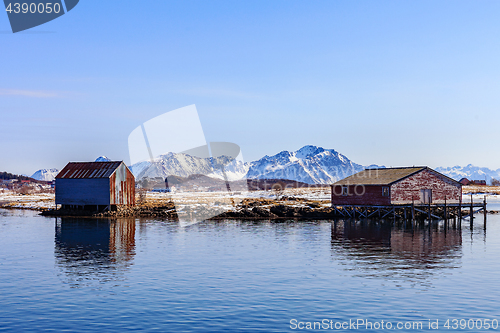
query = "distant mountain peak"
{"x": 308, "y": 150}
{"x": 310, "y": 164}
{"x": 470, "y": 172}
{"x": 184, "y": 165}
{"x": 45, "y": 174}
{"x": 102, "y": 159}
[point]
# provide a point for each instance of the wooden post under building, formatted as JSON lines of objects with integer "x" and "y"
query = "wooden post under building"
{"x": 484, "y": 212}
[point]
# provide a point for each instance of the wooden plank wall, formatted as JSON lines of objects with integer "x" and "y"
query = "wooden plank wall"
{"x": 94, "y": 191}
{"x": 409, "y": 188}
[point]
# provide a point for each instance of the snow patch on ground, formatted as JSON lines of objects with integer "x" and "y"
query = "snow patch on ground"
{"x": 9, "y": 199}
{"x": 224, "y": 200}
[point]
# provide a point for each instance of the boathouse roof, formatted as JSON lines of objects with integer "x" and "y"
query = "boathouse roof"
{"x": 83, "y": 170}
{"x": 384, "y": 176}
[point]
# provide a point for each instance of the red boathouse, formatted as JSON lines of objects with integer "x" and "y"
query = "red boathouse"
{"x": 396, "y": 186}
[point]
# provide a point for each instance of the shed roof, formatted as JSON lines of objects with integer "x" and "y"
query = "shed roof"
{"x": 383, "y": 176}
{"x": 81, "y": 170}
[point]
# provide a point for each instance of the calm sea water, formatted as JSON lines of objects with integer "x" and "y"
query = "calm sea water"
{"x": 83, "y": 275}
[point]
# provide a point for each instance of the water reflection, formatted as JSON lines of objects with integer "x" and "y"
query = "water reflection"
{"x": 376, "y": 249}
{"x": 94, "y": 250}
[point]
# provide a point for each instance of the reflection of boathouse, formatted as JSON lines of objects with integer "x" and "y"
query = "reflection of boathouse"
{"x": 392, "y": 250}
{"x": 90, "y": 247}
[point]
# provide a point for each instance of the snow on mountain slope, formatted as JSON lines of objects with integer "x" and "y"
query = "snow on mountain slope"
{"x": 45, "y": 174}
{"x": 50, "y": 174}
{"x": 470, "y": 172}
{"x": 310, "y": 164}
{"x": 102, "y": 159}
{"x": 185, "y": 165}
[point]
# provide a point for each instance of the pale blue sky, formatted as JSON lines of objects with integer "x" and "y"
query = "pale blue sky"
{"x": 384, "y": 82}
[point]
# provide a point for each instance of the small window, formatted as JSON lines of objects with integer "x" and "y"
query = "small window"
{"x": 345, "y": 190}
{"x": 385, "y": 191}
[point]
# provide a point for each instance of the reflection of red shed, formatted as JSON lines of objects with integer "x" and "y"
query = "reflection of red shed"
{"x": 392, "y": 186}
{"x": 96, "y": 184}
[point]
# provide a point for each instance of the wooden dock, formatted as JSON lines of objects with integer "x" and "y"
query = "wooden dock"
{"x": 415, "y": 212}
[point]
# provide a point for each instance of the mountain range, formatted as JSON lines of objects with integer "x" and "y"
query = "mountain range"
{"x": 184, "y": 165}
{"x": 45, "y": 174}
{"x": 470, "y": 172}
{"x": 310, "y": 164}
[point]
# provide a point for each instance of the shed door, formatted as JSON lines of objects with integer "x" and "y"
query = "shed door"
{"x": 426, "y": 196}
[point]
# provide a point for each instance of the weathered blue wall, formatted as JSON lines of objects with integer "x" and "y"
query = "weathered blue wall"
{"x": 83, "y": 191}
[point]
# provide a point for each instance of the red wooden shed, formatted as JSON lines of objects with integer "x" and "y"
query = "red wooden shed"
{"x": 393, "y": 186}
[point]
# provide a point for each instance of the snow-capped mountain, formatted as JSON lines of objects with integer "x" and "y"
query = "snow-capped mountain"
{"x": 45, "y": 174}
{"x": 102, "y": 159}
{"x": 50, "y": 174}
{"x": 310, "y": 164}
{"x": 470, "y": 172}
{"x": 184, "y": 165}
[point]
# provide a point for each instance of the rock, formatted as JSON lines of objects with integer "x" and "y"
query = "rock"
{"x": 263, "y": 213}
{"x": 247, "y": 213}
{"x": 279, "y": 210}
{"x": 285, "y": 211}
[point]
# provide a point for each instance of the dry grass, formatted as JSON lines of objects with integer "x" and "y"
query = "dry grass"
{"x": 297, "y": 196}
{"x": 474, "y": 189}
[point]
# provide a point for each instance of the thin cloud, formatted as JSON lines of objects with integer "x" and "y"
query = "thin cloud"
{"x": 29, "y": 93}
{"x": 218, "y": 93}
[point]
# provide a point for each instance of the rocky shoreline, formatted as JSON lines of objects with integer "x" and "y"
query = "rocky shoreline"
{"x": 162, "y": 210}
{"x": 285, "y": 208}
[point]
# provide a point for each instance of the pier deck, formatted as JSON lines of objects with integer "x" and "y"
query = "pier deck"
{"x": 433, "y": 211}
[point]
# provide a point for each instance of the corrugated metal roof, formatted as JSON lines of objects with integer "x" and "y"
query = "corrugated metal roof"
{"x": 80, "y": 170}
{"x": 379, "y": 176}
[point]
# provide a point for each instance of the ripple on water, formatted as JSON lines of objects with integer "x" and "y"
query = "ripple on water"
{"x": 106, "y": 275}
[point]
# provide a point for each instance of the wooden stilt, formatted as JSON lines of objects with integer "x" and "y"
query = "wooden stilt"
{"x": 471, "y": 208}
{"x": 484, "y": 212}
{"x": 429, "y": 210}
{"x": 412, "y": 211}
{"x": 471, "y": 212}
{"x": 445, "y": 212}
{"x": 460, "y": 209}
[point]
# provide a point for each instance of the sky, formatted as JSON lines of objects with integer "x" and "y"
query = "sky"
{"x": 393, "y": 83}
